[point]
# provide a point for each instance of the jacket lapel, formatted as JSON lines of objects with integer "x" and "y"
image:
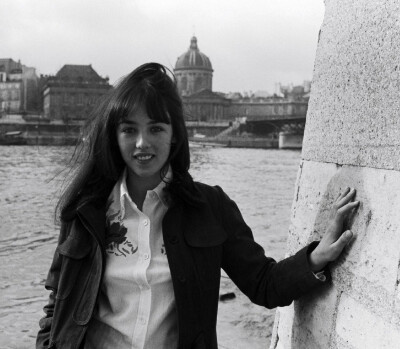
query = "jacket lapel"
{"x": 94, "y": 220}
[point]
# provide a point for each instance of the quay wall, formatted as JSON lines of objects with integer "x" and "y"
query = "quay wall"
{"x": 352, "y": 138}
{"x": 208, "y": 129}
{"x": 288, "y": 140}
{"x": 237, "y": 142}
{"x": 38, "y": 127}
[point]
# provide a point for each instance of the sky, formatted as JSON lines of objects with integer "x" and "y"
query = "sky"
{"x": 252, "y": 44}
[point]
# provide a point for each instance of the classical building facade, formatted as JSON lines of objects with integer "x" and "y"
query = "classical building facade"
{"x": 72, "y": 93}
{"x": 193, "y": 72}
{"x": 18, "y": 87}
{"x": 206, "y": 105}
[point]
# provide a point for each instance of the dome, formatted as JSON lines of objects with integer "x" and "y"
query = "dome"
{"x": 193, "y": 58}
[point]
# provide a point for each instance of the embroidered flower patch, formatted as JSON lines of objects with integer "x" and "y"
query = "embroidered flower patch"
{"x": 116, "y": 241}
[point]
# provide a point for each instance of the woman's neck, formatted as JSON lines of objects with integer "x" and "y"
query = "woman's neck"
{"x": 138, "y": 187}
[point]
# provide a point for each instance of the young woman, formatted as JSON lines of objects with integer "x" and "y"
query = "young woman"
{"x": 141, "y": 244}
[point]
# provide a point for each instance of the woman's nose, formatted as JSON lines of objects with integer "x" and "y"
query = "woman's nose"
{"x": 141, "y": 141}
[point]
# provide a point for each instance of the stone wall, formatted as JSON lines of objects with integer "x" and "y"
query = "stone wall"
{"x": 352, "y": 138}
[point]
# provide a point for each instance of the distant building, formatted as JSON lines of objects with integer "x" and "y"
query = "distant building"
{"x": 194, "y": 73}
{"x": 72, "y": 93}
{"x": 206, "y": 105}
{"x": 297, "y": 92}
{"x": 18, "y": 88}
{"x": 193, "y": 70}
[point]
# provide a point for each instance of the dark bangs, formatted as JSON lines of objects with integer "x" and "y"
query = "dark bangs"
{"x": 135, "y": 92}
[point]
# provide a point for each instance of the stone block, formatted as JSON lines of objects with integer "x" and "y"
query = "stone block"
{"x": 285, "y": 326}
{"x": 353, "y": 110}
{"x": 314, "y": 320}
{"x": 311, "y": 183}
{"x": 361, "y": 328}
{"x": 373, "y": 254}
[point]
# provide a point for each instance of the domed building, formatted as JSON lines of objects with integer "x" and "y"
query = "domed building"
{"x": 193, "y": 70}
{"x": 194, "y": 73}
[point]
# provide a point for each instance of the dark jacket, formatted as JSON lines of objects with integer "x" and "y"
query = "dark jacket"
{"x": 199, "y": 239}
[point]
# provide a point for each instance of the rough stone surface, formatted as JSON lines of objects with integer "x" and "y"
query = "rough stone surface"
{"x": 352, "y": 138}
{"x": 353, "y": 116}
{"x": 361, "y": 328}
{"x": 304, "y": 324}
{"x": 286, "y": 316}
{"x": 369, "y": 266}
{"x": 374, "y": 251}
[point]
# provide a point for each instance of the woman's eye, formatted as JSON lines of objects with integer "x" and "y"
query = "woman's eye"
{"x": 127, "y": 130}
{"x": 156, "y": 129}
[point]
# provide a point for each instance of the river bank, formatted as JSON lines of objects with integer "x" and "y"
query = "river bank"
{"x": 237, "y": 142}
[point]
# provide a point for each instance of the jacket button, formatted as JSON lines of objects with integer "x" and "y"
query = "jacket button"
{"x": 182, "y": 279}
{"x": 174, "y": 240}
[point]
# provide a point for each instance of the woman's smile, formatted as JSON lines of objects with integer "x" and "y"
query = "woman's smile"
{"x": 143, "y": 157}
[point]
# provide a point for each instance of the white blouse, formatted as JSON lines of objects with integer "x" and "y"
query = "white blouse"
{"x": 136, "y": 306}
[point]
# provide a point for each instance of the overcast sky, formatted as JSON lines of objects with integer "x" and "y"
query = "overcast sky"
{"x": 251, "y": 44}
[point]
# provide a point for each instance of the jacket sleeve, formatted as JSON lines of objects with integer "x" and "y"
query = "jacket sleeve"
{"x": 265, "y": 281}
{"x": 51, "y": 284}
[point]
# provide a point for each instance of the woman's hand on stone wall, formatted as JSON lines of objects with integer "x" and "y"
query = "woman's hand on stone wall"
{"x": 334, "y": 240}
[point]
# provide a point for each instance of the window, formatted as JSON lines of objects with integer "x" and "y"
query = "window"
{"x": 184, "y": 83}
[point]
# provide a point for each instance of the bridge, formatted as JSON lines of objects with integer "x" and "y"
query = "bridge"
{"x": 209, "y": 129}
{"x": 276, "y": 123}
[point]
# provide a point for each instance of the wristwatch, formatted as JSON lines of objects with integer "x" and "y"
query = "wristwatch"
{"x": 320, "y": 276}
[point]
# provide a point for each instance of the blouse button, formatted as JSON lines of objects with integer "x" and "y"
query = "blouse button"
{"x": 145, "y": 222}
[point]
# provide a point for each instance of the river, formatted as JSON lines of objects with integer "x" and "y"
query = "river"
{"x": 261, "y": 181}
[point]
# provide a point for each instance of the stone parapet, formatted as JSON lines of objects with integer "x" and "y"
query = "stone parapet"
{"x": 353, "y": 116}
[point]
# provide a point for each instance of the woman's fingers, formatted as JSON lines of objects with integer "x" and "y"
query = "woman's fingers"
{"x": 346, "y": 197}
{"x": 342, "y": 195}
{"x": 338, "y": 246}
{"x": 334, "y": 241}
{"x": 344, "y": 210}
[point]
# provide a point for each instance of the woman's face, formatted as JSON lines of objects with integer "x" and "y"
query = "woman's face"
{"x": 144, "y": 145}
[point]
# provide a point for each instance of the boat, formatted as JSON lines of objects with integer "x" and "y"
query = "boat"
{"x": 13, "y": 138}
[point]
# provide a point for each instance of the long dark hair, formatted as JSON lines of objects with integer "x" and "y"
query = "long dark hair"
{"x": 97, "y": 162}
